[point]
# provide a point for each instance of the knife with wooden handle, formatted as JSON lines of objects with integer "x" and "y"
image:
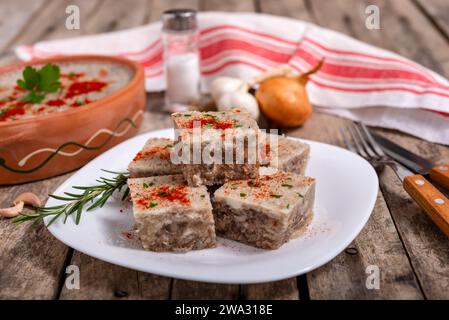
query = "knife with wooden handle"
{"x": 430, "y": 199}
{"x": 416, "y": 163}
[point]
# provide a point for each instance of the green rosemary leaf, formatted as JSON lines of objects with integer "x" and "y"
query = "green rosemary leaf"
{"x": 95, "y": 196}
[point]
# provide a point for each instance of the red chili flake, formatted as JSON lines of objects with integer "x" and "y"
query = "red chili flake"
{"x": 56, "y": 103}
{"x": 84, "y": 87}
{"x": 162, "y": 152}
{"x": 208, "y": 122}
{"x": 173, "y": 194}
{"x": 12, "y": 112}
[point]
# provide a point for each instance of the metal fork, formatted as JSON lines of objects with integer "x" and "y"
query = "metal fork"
{"x": 358, "y": 139}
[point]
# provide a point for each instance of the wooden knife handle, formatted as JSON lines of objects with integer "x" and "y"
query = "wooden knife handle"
{"x": 430, "y": 199}
{"x": 440, "y": 174}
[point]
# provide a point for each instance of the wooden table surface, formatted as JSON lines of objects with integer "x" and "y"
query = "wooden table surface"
{"x": 412, "y": 254}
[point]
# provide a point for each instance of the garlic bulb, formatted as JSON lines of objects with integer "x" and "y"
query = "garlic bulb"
{"x": 239, "y": 99}
{"x": 222, "y": 85}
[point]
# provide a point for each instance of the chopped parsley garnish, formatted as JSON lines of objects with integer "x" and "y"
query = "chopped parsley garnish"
{"x": 39, "y": 82}
{"x": 238, "y": 126}
{"x": 287, "y": 185}
{"x": 209, "y": 115}
{"x": 275, "y": 195}
{"x": 147, "y": 185}
{"x": 299, "y": 195}
{"x": 251, "y": 183}
{"x": 243, "y": 194}
{"x": 152, "y": 204}
{"x": 80, "y": 103}
{"x": 209, "y": 125}
{"x": 203, "y": 195}
{"x": 162, "y": 194}
{"x": 187, "y": 115}
{"x": 288, "y": 205}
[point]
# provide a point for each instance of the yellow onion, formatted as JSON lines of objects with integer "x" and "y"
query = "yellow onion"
{"x": 284, "y": 99}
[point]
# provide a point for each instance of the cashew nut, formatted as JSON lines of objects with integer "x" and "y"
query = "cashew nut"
{"x": 13, "y": 211}
{"x": 29, "y": 198}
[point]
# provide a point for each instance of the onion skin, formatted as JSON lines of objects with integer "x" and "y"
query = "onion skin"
{"x": 284, "y": 101}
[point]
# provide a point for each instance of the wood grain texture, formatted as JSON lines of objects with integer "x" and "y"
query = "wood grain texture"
{"x": 437, "y": 12}
{"x": 102, "y": 280}
{"x": 31, "y": 259}
{"x": 286, "y": 8}
{"x": 49, "y": 22}
{"x": 430, "y": 199}
{"x": 15, "y": 17}
{"x": 227, "y": 5}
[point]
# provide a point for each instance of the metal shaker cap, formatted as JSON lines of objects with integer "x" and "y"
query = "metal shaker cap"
{"x": 179, "y": 20}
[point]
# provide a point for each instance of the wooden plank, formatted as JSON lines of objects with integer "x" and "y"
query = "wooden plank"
{"x": 49, "y": 22}
{"x": 15, "y": 16}
{"x": 160, "y": 6}
{"x": 116, "y": 15}
{"x": 227, "y": 5}
{"x": 286, "y": 8}
{"x": 31, "y": 259}
{"x": 102, "y": 280}
{"x": 438, "y": 12}
{"x": 405, "y": 30}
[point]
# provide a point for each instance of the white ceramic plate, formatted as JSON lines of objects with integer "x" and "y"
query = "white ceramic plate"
{"x": 346, "y": 192}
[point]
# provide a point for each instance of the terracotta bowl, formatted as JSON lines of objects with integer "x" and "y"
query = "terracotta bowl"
{"x": 48, "y": 145}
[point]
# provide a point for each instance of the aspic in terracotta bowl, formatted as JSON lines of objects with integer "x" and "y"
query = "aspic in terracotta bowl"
{"x": 99, "y": 103}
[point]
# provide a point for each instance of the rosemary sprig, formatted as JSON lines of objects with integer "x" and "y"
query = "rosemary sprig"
{"x": 91, "y": 196}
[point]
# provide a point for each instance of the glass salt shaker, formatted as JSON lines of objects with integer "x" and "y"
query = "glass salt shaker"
{"x": 181, "y": 59}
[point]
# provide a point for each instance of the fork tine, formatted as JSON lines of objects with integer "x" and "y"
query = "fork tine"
{"x": 358, "y": 145}
{"x": 376, "y": 147}
{"x": 347, "y": 140}
{"x": 369, "y": 150}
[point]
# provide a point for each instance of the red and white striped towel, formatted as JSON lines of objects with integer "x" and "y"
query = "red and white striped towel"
{"x": 357, "y": 80}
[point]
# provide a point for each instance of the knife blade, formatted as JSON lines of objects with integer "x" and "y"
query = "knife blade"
{"x": 416, "y": 163}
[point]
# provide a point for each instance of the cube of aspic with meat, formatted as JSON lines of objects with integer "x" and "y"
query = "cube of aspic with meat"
{"x": 265, "y": 212}
{"x": 171, "y": 216}
{"x": 284, "y": 153}
{"x": 154, "y": 159}
{"x": 228, "y": 139}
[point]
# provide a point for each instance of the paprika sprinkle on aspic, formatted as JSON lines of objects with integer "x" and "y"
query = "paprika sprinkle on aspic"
{"x": 164, "y": 195}
{"x": 161, "y": 152}
{"x": 207, "y": 122}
